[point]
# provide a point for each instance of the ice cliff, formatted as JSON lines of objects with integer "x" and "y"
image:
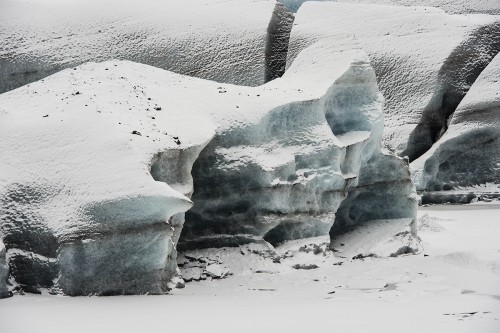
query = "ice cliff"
{"x": 425, "y": 60}
{"x": 467, "y": 158}
{"x": 294, "y": 151}
{"x": 80, "y": 211}
{"x": 237, "y": 41}
{"x": 80, "y": 208}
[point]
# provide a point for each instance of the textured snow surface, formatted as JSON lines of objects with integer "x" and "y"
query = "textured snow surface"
{"x": 425, "y": 60}
{"x": 467, "y": 157}
{"x": 225, "y": 41}
{"x": 79, "y": 207}
{"x": 450, "y": 286}
{"x": 449, "y": 6}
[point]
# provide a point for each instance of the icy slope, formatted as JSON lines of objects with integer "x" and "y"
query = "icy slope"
{"x": 449, "y": 6}
{"x": 80, "y": 210}
{"x": 425, "y": 60}
{"x": 467, "y": 157}
{"x": 236, "y": 41}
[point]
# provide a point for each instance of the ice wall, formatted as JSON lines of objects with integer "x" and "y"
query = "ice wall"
{"x": 237, "y": 41}
{"x": 467, "y": 158}
{"x": 424, "y": 59}
{"x": 80, "y": 211}
{"x": 289, "y": 156}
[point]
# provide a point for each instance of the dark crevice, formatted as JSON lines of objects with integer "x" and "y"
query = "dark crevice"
{"x": 278, "y": 36}
{"x": 456, "y": 76}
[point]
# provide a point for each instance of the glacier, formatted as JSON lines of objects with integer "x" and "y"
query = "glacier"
{"x": 238, "y": 41}
{"x": 425, "y": 60}
{"x": 465, "y": 162}
{"x": 100, "y": 161}
{"x": 80, "y": 210}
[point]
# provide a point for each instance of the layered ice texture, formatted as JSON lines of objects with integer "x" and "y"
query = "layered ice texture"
{"x": 80, "y": 211}
{"x": 467, "y": 158}
{"x": 88, "y": 153}
{"x": 425, "y": 60}
{"x": 235, "y": 41}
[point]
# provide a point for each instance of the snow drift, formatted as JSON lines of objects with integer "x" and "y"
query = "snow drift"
{"x": 425, "y": 60}
{"x": 467, "y": 158}
{"x": 237, "y": 41}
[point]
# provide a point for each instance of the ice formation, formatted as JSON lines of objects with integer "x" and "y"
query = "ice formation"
{"x": 4, "y": 271}
{"x": 467, "y": 158}
{"x": 80, "y": 211}
{"x": 236, "y": 41}
{"x": 449, "y": 6}
{"x": 291, "y": 152}
{"x": 425, "y": 60}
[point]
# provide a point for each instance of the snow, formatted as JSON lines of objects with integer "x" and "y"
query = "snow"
{"x": 453, "y": 289}
{"x": 225, "y": 41}
{"x": 467, "y": 158}
{"x": 449, "y": 6}
{"x": 425, "y": 60}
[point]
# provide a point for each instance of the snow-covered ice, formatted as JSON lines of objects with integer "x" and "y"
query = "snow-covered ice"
{"x": 79, "y": 191}
{"x": 425, "y": 60}
{"x": 236, "y": 41}
{"x": 467, "y": 158}
{"x": 79, "y": 205}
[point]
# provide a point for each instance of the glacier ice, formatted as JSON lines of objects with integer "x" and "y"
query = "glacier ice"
{"x": 88, "y": 153}
{"x": 236, "y": 41}
{"x": 302, "y": 146}
{"x": 452, "y": 7}
{"x": 467, "y": 158}
{"x": 81, "y": 212}
{"x": 4, "y": 271}
{"x": 425, "y": 60}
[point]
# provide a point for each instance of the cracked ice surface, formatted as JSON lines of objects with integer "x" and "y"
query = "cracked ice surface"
{"x": 225, "y": 41}
{"x": 425, "y": 60}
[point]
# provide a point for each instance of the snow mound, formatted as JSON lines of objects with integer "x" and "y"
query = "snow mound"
{"x": 467, "y": 158}
{"x": 425, "y": 60}
{"x": 81, "y": 212}
{"x": 236, "y": 41}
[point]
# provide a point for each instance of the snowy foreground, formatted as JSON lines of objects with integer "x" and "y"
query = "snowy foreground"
{"x": 452, "y": 285}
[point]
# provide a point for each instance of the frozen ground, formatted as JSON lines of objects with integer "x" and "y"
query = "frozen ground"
{"x": 452, "y": 285}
